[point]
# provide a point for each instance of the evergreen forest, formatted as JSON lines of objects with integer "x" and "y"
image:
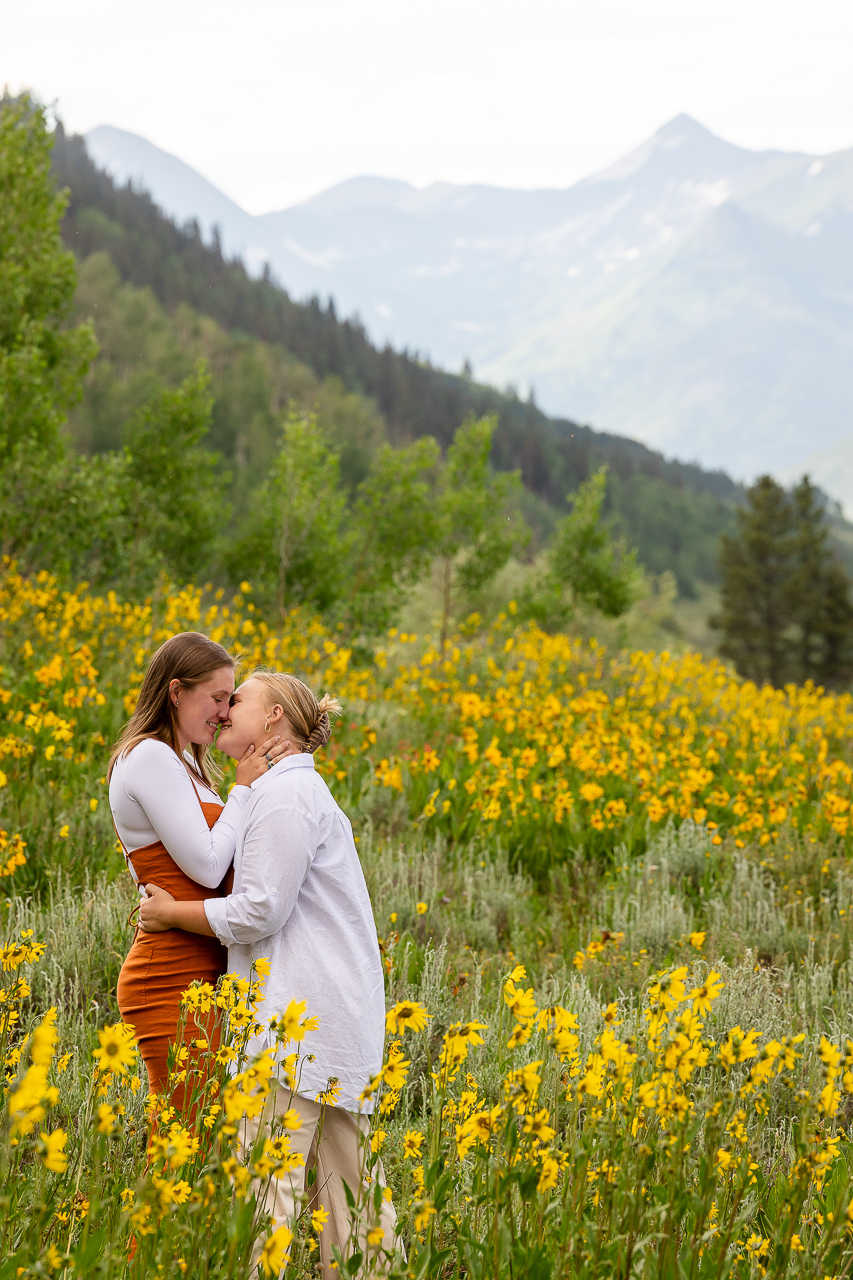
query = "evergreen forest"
{"x": 206, "y": 425}
{"x": 160, "y": 298}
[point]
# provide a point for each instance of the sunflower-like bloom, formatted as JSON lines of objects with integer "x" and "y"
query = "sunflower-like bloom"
{"x": 117, "y": 1051}
{"x": 704, "y": 996}
{"x": 521, "y": 1003}
{"x": 53, "y": 1156}
{"x": 412, "y": 1144}
{"x": 406, "y": 1016}
{"x": 277, "y": 1158}
{"x": 44, "y": 1039}
{"x": 276, "y": 1251}
{"x": 548, "y": 1176}
{"x": 396, "y": 1068}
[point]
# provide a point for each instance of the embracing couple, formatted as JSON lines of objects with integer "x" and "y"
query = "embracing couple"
{"x": 298, "y": 898}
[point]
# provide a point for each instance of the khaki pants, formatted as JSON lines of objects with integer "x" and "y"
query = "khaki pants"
{"x": 332, "y": 1142}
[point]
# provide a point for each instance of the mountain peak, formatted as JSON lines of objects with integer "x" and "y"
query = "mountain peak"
{"x": 683, "y": 128}
{"x": 681, "y": 148}
{"x": 666, "y": 298}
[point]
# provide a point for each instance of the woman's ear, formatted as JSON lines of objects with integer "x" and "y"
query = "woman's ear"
{"x": 275, "y": 714}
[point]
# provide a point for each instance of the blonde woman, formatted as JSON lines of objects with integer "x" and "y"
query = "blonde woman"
{"x": 300, "y": 900}
{"x": 174, "y": 828}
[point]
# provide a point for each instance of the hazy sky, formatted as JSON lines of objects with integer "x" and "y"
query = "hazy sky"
{"x": 274, "y": 100}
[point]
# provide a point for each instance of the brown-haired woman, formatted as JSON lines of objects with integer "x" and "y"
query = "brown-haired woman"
{"x": 174, "y": 828}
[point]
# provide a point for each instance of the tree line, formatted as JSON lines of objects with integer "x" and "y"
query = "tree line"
{"x": 158, "y": 504}
{"x": 346, "y": 534}
{"x": 672, "y": 512}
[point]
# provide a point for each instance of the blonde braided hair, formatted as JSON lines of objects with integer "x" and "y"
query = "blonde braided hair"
{"x": 310, "y": 720}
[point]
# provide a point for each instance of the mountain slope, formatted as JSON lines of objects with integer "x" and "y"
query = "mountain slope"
{"x": 671, "y": 511}
{"x": 696, "y": 295}
{"x": 749, "y": 290}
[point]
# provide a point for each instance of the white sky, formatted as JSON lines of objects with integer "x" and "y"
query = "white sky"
{"x": 273, "y": 100}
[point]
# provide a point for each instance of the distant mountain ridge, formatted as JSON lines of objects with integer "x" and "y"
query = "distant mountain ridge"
{"x": 271, "y": 348}
{"x": 695, "y": 295}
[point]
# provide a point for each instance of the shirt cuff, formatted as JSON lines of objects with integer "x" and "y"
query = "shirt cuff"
{"x": 240, "y": 792}
{"x": 217, "y": 918}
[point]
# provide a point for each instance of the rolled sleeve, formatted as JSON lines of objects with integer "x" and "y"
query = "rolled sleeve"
{"x": 277, "y": 854}
{"x": 214, "y": 909}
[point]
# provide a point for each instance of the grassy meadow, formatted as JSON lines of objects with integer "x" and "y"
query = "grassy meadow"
{"x": 613, "y": 894}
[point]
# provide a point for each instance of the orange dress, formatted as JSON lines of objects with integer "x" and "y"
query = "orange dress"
{"x": 160, "y": 966}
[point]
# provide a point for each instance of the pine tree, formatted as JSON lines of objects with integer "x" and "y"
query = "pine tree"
{"x": 786, "y": 611}
{"x": 758, "y": 570}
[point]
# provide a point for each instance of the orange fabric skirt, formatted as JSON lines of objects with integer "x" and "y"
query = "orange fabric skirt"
{"x": 156, "y": 973}
{"x": 161, "y": 966}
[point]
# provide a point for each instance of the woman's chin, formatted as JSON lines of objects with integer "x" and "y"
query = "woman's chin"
{"x": 224, "y": 745}
{"x": 204, "y": 738}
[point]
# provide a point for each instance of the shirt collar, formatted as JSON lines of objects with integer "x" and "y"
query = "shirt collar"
{"x": 304, "y": 760}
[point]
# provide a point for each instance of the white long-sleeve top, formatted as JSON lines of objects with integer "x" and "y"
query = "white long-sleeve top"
{"x": 153, "y": 798}
{"x": 300, "y": 900}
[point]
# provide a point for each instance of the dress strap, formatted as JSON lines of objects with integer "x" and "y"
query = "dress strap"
{"x": 133, "y": 910}
{"x": 198, "y": 797}
{"x": 124, "y": 850}
{"x": 195, "y": 788}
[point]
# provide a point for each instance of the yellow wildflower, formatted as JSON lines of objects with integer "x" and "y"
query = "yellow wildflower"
{"x": 53, "y": 1150}
{"x": 117, "y": 1052}
{"x": 407, "y": 1015}
{"x": 276, "y": 1251}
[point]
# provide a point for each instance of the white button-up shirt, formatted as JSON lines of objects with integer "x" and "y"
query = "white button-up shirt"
{"x": 300, "y": 900}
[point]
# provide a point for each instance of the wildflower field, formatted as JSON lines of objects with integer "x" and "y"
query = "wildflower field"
{"x": 613, "y": 897}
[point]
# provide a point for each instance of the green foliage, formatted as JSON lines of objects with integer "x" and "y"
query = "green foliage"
{"x": 391, "y": 536}
{"x": 160, "y": 300}
{"x": 584, "y": 565}
{"x": 172, "y": 494}
{"x": 786, "y": 612}
{"x": 673, "y": 512}
{"x": 674, "y": 528}
{"x": 141, "y": 351}
{"x": 42, "y": 362}
{"x": 475, "y": 529}
{"x": 289, "y": 543}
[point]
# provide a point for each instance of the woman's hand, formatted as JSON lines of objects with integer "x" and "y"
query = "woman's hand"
{"x": 154, "y": 910}
{"x": 255, "y": 761}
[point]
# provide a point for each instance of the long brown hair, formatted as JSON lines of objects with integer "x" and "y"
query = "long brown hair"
{"x": 189, "y": 657}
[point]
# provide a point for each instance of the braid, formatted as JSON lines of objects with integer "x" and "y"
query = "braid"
{"x": 320, "y": 734}
{"x": 309, "y": 719}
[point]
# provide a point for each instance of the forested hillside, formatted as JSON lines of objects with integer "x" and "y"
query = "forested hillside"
{"x": 159, "y": 296}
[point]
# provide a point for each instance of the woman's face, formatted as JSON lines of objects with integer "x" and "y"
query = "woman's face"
{"x": 248, "y": 720}
{"x": 202, "y": 709}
